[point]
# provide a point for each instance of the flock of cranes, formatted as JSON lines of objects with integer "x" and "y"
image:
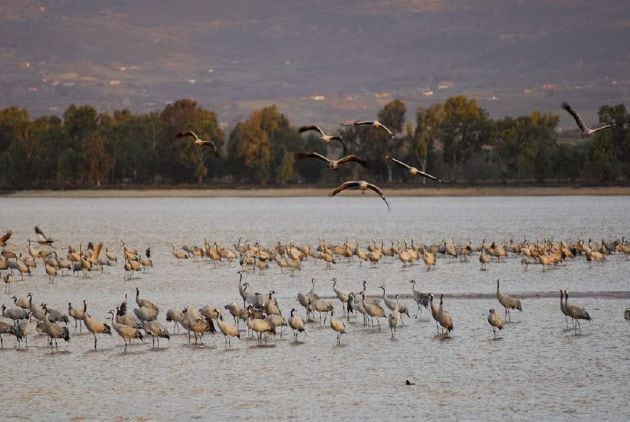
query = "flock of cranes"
{"x": 291, "y": 256}
{"x": 261, "y": 312}
{"x": 333, "y": 164}
{"x": 364, "y": 185}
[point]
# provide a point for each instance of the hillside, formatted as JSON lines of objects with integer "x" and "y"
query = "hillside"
{"x": 323, "y": 61}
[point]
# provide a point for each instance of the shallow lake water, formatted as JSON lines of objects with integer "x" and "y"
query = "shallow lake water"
{"x": 536, "y": 370}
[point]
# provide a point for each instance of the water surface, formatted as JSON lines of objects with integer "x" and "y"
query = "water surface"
{"x": 538, "y": 370}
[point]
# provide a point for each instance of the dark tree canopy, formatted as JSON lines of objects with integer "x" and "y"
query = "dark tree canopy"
{"x": 454, "y": 140}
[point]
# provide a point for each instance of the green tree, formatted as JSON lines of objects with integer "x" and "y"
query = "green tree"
{"x": 311, "y": 171}
{"x": 619, "y": 136}
{"x": 79, "y": 123}
{"x": 281, "y": 136}
{"x": 286, "y": 173}
{"x": 508, "y": 147}
{"x": 538, "y": 139}
{"x": 569, "y": 161}
{"x": 68, "y": 168}
{"x": 132, "y": 144}
{"x": 98, "y": 160}
{"x": 602, "y": 161}
{"x": 427, "y": 134}
{"x": 47, "y": 141}
{"x": 190, "y": 160}
{"x": 16, "y": 146}
{"x": 15, "y": 125}
{"x": 260, "y": 146}
{"x": 18, "y": 169}
{"x": 463, "y": 131}
{"x": 5, "y": 176}
{"x": 87, "y": 148}
{"x": 393, "y": 115}
{"x": 251, "y": 148}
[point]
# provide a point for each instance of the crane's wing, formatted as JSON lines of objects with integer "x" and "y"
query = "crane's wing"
{"x": 186, "y": 133}
{"x": 576, "y": 116}
{"x": 312, "y": 127}
{"x": 344, "y": 186}
{"x": 41, "y": 237}
{"x": 380, "y": 193}
{"x": 210, "y": 144}
{"x": 363, "y": 122}
{"x": 400, "y": 163}
{"x": 352, "y": 158}
{"x": 96, "y": 251}
{"x": 430, "y": 176}
{"x": 5, "y": 237}
{"x": 39, "y": 231}
{"x": 303, "y": 155}
{"x": 600, "y": 128}
{"x": 381, "y": 125}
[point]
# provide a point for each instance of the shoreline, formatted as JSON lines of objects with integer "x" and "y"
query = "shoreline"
{"x": 247, "y": 192}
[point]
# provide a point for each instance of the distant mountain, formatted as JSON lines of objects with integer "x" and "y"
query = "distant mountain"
{"x": 323, "y": 61}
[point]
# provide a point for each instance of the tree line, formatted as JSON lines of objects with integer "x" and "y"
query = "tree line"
{"x": 455, "y": 140}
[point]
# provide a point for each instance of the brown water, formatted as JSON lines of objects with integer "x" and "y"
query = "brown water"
{"x": 537, "y": 370}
